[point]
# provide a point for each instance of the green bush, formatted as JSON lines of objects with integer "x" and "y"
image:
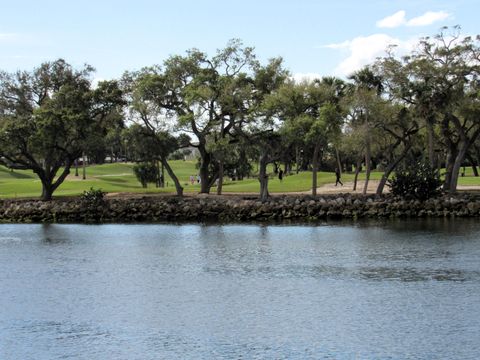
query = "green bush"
{"x": 93, "y": 196}
{"x": 145, "y": 173}
{"x": 418, "y": 181}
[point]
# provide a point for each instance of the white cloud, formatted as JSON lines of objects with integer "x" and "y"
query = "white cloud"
{"x": 342, "y": 45}
{"x": 393, "y": 21}
{"x": 95, "y": 82}
{"x": 300, "y": 77}
{"x": 428, "y": 18}
{"x": 364, "y": 50}
{"x": 399, "y": 19}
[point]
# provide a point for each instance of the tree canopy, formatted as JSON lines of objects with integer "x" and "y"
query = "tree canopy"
{"x": 236, "y": 110}
{"x": 47, "y": 117}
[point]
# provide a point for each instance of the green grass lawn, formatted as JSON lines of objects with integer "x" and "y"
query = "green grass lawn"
{"x": 119, "y": 177}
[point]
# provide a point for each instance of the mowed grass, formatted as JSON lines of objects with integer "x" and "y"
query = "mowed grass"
{"x": 119, "y": 178}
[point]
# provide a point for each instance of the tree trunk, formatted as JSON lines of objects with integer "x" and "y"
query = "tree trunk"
{"x": 220, "y": 177}
{"x": 477, "y": 153}
{"x": 162, "y": 176}
{"x": 174, "y": 177}
{"x": 242, "y": 160}
{"x": 367, "y": 166}
{"x": 474, "y": 165}
{"x": 204, "y": 178}
{"x": 84, "y": 176}
{"x": 47, "y": 178}
{"x": 461, "y": 150}
{"x": 457, "y": 164}
{"x": 449, "y": 163}
{"x": 475, "y": 170}
{"x": 357, "y": 171}
{"x": 220, "y": 163}
{"x": 383, "y": 181}
{"x": 297, "y": 159}
{"x": 76, "y": 167}
{"x": 47, "y": 191}
{"x": 316, "y": 151}
{"x": 430, "y": 140}
{"x": 339, "y": 163}
{"x": 388, "y": 170}
{"x": 263, "y": 176}
{"x": 275, "y": 167}
{"x": 157, "y": 174}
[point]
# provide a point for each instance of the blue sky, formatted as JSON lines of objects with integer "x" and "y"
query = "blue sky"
{"x": 313, "y": 37}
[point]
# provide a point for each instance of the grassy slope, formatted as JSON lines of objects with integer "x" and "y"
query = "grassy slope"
{"x": 119, "y": 178}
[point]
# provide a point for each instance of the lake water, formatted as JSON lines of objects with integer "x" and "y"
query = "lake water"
{"x": 396, "y": 290}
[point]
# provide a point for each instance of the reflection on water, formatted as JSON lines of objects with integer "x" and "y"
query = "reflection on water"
{"x": 53, "y": 234}
{"x": 410, "y": 274}
{"x": 399, "y": 289}
{"x": 337, "y": 272}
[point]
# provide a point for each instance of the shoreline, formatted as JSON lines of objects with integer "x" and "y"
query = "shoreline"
{"x": 236, "y": 208}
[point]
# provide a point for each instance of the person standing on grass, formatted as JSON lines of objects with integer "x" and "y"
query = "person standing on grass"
{"x": 280, "y": 175}
{"x": 337, "y": 175}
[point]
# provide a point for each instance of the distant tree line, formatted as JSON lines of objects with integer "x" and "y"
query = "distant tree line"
{"x": 237, "y": 111}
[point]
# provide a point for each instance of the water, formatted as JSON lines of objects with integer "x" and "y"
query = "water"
{"x": 396, "y": 290}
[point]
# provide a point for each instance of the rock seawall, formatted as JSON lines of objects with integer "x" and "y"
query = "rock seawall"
{"x": 235, "y": 208}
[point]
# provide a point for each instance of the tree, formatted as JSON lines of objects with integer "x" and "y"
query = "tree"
{"x": 152, "y": 139}
{"x": 353, "y": 145}
{"x": 145, "y": 173}
{"x": 258, "y": 126}
{"x": 312, "y": 113}
{"x": 48, "y": 115}
{"x": 112, "y": 140}
{"x": 203, "y": 96}
{"x": 398, "y": 128}
{"x": 364, "y": 95}
{"x": 297, "y": 106}
{"x": 440, "y": 81}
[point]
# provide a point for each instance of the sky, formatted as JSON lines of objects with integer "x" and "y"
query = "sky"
{"x": 315, "y": 38}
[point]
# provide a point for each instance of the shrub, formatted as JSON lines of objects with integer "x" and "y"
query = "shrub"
{"x": 93, "y": 196}
{"x": 145, "y": 173}
{"x": 418, "y": 181}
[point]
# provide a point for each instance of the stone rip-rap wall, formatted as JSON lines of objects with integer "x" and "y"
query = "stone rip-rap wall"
{"x": 236, "y": 208}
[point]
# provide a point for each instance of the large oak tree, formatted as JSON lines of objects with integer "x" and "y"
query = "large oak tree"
{"x": 47, "y": 116}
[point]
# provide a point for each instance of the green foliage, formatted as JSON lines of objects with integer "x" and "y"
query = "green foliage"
{"x": 147, "y": 144}
{"x": 145, "y": 173}
{"x": 418, "y": 181}
{"x": 239, "y": 110}
{"x": 180, "y": 154}
{"x": 49, "y": 116}
{"x": 217, "y": 99}
{"x": 93, "y": 197}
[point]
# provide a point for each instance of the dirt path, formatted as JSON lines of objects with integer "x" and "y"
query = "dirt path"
{"x": 324, "y": 189}
{"x": 348, "y": 188}
{"x": 372, "y": 188}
